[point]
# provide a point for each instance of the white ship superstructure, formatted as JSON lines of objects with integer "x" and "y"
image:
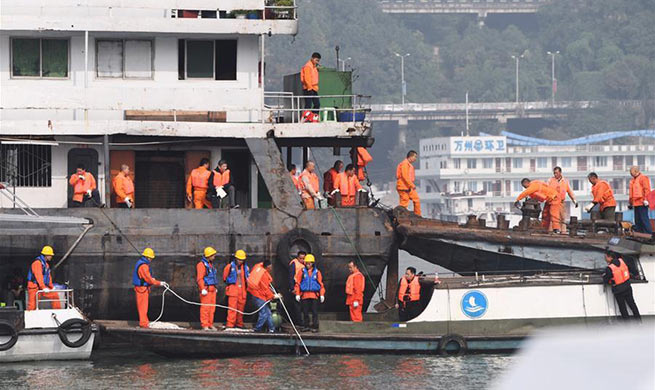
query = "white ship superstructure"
{"x": 481, "y": 175}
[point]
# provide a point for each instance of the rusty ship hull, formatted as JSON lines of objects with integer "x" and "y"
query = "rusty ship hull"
{"x": 100, "y": 267}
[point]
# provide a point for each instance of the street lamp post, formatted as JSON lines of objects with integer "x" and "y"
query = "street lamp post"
{"x": 552, "y": 75}
{"x": 402, "y": 76}
{"x": 517, "y": 58}
{"x": 343, "y": 63}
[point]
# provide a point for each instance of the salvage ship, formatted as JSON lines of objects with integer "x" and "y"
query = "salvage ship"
{"x": 161, "y": 85}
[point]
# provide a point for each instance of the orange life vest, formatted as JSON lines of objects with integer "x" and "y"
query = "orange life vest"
{"x": 620, "y": 274}
{"x": 603, "y": 194}
{"x": 200, "y": 178}
{"x": 221, "y": 179}
{"x": 561, "y": 186}
{"x": 414, "y": 289}
{"x": 348, "y": 186}
{"x": 313, "y": 181}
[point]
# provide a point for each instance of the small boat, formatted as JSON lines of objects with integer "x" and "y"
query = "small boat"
{"x": 46, "y": 333}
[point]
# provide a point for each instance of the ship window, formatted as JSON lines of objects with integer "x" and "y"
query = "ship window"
{"x": 207, "y": 59}
{"x": 26, "y": 165}
{"x": 127, "y": 59}
{"x": 47, "y": 58}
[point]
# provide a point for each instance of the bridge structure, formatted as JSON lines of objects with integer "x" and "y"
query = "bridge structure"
{"x": 480, "y": 7}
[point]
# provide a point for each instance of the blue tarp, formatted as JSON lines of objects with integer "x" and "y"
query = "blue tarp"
{"x": 522, "y": 140}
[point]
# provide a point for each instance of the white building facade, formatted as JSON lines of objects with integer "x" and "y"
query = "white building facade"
{"x": 481, "y": 175}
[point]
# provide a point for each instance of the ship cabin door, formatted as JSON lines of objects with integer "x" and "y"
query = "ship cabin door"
{"x": 160, "y": 179}
{"x": 238, "y": 161}
{"x": 84, "y": 156}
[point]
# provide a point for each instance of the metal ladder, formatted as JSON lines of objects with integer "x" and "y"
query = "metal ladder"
{"x": 10, "y": 194}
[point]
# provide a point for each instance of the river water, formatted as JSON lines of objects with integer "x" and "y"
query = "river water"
{"x": 126, "y": 369}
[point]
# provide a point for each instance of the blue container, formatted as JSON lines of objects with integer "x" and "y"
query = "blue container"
{"x": 347, "y": 116}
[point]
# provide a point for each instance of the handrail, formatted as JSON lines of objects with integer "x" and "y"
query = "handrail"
{"x": 15, "y": 199}
{"x": 67, "y": 299}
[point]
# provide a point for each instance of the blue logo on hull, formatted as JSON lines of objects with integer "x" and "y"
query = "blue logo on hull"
{"x": 474, "y": 304}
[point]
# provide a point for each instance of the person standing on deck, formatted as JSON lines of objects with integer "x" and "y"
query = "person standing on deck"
{"x": 561, "y": 185}
{"x": 355, "y": 285}
{"x": 39, "y": 278}
{"x": 618, "y": 275}
{"x": 235, "y": 276}
{"x": 296, "y": 181}
{"x": 330, "y": 178}
{"x": 348, "y": 186}
{"x": 84, "y": 188}
{"x": 603, "y": 196}
{"x": 639, "y": 190}
{"x": 309, "y": 80}
{"x": 197, "y": 185}
{"x": 309, "y": 289}
{"x": 142, "y": 280}
{"x": 409, "y": 295}
{"x": 295, "y": 267}
{"x": 124, "y": 188}
{"x": 536, "y": 189}
{"x": 405, "y": 186}
{"x": 310, "y": 184}
{"x": 259, "y": 286}
{"x": 207, "y": 280}
{"x": 221, "y": 179}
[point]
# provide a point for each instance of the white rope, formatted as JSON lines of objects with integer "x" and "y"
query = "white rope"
{"x": 163, "y": 300}
{"x": 292, "y": 324}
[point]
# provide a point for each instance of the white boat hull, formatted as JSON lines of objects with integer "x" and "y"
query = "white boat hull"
{"x": 44, "y": 344}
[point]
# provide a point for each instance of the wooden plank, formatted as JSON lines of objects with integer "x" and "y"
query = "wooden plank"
{"x": 178, "y": 115}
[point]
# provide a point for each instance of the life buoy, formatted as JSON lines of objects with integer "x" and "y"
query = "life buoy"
{"x": 75, "y": 325}
{"x": 449, "y": 341}
{"x": 7, "y": 329}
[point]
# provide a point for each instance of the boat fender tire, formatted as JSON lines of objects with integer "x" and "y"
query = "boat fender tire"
{"x": 308, "y": 240}
{"x": 8, "y": 329}
{"x": 74, "y": 324}
{"x": 449, "y": 339}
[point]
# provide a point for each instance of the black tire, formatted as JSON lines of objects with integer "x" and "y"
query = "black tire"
{"x": 449, "y": 339}
{"x": 75, "y": 324}
{"x": 7, "y": 328}
{"x": 298, "y": 238}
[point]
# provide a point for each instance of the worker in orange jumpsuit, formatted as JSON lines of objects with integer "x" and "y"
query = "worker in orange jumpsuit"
{"x": 296, "y": 265}
{"x": 235, "y": 276}
{"x": 197, "y": 184}
{"x": 603, "y": 196}
{"x": 309, "y": 80}
{"x": 405, "y": 186}
{"x": 329, "y": 179}
{"x": 363, "y": 159}
{"x": 84, "y": 188}
{"x": 309, "y": 290}
{"x": 560, "y": 184}
{"x": 296, "y": 181}
{"x": 310, "y": 184}
{"x": 142, "y": 280}
{"x": 39, "y": 278}
{"x": 355, "y": 285}
{"x": 639, "y": 191}
{"x": 536, "y": 189}
{"x": 259, "y": 286}
{"x": 207, "y": 280}
{"x": 348, "y": 185}
{"x": 124, "y": 188}
{"x": 409, "y": 295}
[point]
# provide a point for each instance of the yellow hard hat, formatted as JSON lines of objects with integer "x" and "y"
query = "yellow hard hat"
{"x": 209, "y": 251}
{"x": 48, "y": 251}
{"x": 240, "y": 254}
{"x": 149, "y": 253}
{"x": 310, "y": 258}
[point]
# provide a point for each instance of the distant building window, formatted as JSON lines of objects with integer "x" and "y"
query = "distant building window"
{"x": 517, "y": 163}
{"x": 473, "y": 186}
{"x": 600, "y": 161}
{"x": 456, "y": 186}
{"x": 575, "y": 185}
{"x": 628, "y": 161}
{"x": 641, "y": 162}
{"x": 46, "y": 58}
{"x": 542, "y": 162}
{"x": 203, "y": 59}
{"x": 470, "y": 203}
{"x": 443, "y": 164}
{"x": 471, "y": 163}
{"x": 26, "y": 165}
{"x": 652, "y": 161}
{"x": 126, "y": 59}
{"x": 517, "y": 186}
{"x": 457, "y": 163}
{"x": 566, "y": 162}
{"x": 488, "y": 163}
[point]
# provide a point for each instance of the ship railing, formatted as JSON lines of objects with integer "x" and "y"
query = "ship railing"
{"x": 504, "y": 277}
{"x": 280, "y": 12}
{"x": 64, "y": 297}
{"x": 7, "y": 192}
{"x": 286, "y": 107}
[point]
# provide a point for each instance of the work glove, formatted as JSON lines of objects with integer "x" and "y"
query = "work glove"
{"x": 82, "y": 177}
{"x": 297, "y": 298}
{"x": 203, "y": 292}
{"x": 590, "y": 206}
{"x": 322, "y": 299}
{"x": 355, "y": 304}
{"x": 277, "y": 296}
{"x": 646, "y": 203}
{"x": 319, "y": 197}
{"x": 575, "y": 202}
{"x": 517, "y": 204}
{"x": 629, "y": 207}
{"x": 46, "y": 290}
{"x": 164, "y": 284}
{"x": 88, "y": 192}
{"x": 128, "y": 201}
